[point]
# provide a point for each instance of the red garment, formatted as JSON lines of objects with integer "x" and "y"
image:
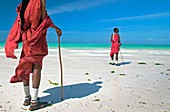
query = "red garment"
{"x": 33, "y": 38}
{"x": 115, "y": 44}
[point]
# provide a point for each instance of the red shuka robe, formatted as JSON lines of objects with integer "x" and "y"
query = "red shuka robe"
{"x": 33, "y": 38}
{"x": 115, "y": 44}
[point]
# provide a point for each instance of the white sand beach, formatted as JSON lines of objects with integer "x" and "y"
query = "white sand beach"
{"x": 89, "y": 85}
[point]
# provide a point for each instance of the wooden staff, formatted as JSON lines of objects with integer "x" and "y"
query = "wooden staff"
{"x": 61, "y": 69}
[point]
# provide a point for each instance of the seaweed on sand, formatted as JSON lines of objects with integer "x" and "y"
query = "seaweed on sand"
{"x": 53, "y": 83}
{"x": 96, "y": 100}
{"x": 89, "y": 79}
{"x": 112, "y": 71}
{"x": 161, "y": 73}
{"x": 142, "y": 102}
{"x": 86, "y": 73}
{"x": 158, "y": 64}
{"x": 142, "y": 63}
{"x": 122, "y": 74}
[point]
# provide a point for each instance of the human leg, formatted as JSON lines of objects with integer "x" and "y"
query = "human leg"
{"x": 27, "y": 100}
{"x": 116, "y": 58}
{"x": 36, "y": 78}
{"x": 35, "y": 85}
{"x": 112, "y": 59}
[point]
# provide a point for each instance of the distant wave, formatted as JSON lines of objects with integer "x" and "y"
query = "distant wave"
{"x": 54, "y": 47}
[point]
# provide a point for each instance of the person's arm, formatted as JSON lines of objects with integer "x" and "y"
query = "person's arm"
{"x": 111, "y": 38}
{"x": 58, "y": 30}
{"x": 119, "y": 40}
{"x": 44, "y": 13}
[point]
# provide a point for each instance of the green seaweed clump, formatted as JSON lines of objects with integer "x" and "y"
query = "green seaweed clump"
{"x": 158, "y": 64}
{"x": 161, "y": 73}
{"x": 142, "y": 63}
{"x": 53, "y": 83}
{"x": 122, "y": 74}
{"x": 86, "y": 73}
{"x": 112, "y": 71}
{"x": 168, "y": 69}
{"x": 96, "y": 100}
{"x": 142, "y": 102}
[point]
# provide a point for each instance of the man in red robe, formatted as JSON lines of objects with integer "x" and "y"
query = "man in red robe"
{"x": 115, "y": 39}
{"x": 30, "y": 28}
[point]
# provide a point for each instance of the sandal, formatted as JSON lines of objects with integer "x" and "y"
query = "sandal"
{"x": 27, "y": 101}
{"x": 38, "y": 105}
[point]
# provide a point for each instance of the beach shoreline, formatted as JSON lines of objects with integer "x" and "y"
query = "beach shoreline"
{"x": 140, "y": 84}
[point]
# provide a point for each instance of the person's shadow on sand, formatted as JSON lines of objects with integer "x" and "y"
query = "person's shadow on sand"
{"x": 71, "y": 91}
{"x": 123, "y": 63}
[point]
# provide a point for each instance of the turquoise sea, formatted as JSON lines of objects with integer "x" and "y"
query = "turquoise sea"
{"x": 105, "y": 46}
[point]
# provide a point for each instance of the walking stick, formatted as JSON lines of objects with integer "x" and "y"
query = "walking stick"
{"x": 61, "y": 69}
{"x": 121, "y": 56}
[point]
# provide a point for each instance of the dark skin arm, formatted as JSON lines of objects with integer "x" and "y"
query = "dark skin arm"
{"x": 111, "y": 38}
{"x": 119, "y": 40}
{"x": 44, "y": 13}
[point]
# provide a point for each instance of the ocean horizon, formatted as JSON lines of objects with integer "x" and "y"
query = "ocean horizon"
{"x": 103, "y": 46}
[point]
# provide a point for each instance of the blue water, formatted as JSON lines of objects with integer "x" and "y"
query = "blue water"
{"x": 107, "y": 46}
{"x": 104, "y": 46}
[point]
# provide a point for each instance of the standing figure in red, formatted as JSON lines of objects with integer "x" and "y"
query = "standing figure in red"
{"x": 115, "y": 39}
{"x": 30, "y": 28}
